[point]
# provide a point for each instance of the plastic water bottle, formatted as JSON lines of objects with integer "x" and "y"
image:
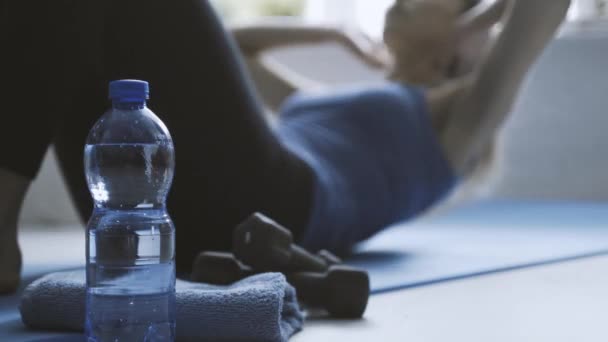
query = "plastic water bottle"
{"x": 129, "y": 163}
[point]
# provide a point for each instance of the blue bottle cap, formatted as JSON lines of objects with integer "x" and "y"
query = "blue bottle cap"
{"x": 127, "y": 91}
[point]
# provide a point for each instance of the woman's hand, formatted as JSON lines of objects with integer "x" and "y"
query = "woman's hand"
{"x": 371, "y": 52}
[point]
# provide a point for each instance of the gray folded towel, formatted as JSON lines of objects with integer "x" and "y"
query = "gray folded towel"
{"x": 259, "y": 308}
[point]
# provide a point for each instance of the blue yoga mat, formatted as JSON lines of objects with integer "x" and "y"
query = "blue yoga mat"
{"x": 483, "y": 238}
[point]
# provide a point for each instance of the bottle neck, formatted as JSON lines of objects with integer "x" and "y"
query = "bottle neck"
{"x": 122, "y": 105}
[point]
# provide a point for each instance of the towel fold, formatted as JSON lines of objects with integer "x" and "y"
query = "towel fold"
{"x": 260, "y": 308}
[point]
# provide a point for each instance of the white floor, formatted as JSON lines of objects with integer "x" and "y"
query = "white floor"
{"x": 565, "y": 302}
{"x": 45, "y": 248}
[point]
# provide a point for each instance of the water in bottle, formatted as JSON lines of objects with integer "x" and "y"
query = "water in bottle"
{"x": 129, "y": 163}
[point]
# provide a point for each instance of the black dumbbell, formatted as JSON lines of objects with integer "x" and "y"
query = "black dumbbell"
{"x": 223, "y": 268}
{"x": 329, "y": 258}
{"x": 219, "y": 268}
{"x": 266, "y": 246}
{"x": 343, "y": 291}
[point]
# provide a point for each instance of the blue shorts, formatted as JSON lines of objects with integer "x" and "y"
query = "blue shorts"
{"x": 375, "y": 158}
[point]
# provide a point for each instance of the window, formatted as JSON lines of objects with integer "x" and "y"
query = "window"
{"x": 238, "y": 10}
{"x": 589, "y": 10}
{"x": 369, "y": 15}
{"x": 365, "y": 14}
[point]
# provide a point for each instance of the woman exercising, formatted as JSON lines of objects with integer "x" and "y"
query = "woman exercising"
{"x": 336, "y": 169}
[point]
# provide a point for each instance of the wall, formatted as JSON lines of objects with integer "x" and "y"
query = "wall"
{"x": 555, "y": 143}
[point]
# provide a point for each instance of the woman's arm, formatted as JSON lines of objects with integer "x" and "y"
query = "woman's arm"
{"x": 256, "y": 38}
{"x": 476, "y": 117}
{"x": 275, "y": 81}
{"x": 481, "y": 17}
{"x": 474, "y": 34}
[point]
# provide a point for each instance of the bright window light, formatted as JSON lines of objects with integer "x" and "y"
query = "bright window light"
{"x": 368, "y": 15}
{"x": 589, "y": 10}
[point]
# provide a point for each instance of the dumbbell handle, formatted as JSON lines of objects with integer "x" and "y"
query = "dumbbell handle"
{"x": 329, "y": 258}
{"x": 267, "y": 246}
{"x": 302, "y": 260}
{"x": 219, "y": 268}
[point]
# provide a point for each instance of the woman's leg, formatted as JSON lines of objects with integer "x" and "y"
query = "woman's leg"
{"x": 34, "y": 74}
{"x": 476, "y": 117}
{"x": 229, "y": 163}
{"x": 13, "y": 187}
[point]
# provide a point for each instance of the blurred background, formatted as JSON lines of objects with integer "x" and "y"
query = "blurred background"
{"x": 554, "y": 147}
